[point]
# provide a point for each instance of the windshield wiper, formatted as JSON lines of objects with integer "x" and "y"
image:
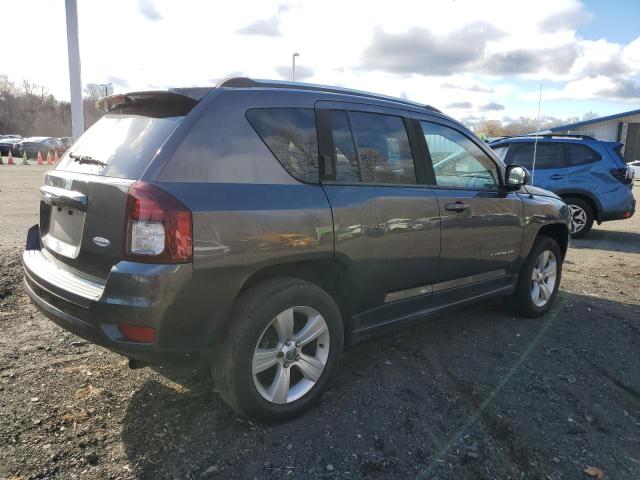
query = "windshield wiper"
{"x": 86, "y": 159}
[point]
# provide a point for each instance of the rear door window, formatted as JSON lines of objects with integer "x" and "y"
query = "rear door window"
{"x": 575, "y": 154}
{"x": 548, "y": 155}
{"x": 347, "y": 167}
{"x": 383, "y": 148}
{"x": 290, "y": 134}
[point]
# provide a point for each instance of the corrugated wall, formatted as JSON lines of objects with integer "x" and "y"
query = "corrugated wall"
{"x": 607, "y": 130}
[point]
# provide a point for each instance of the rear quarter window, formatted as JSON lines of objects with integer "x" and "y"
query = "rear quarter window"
{"x": 575, "y": 154}
{"x": 290, "y": 134}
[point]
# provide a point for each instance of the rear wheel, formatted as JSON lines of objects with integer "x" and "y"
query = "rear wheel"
{"x": 284, "y": 344}
{"x": 539, "y": 279}
{"x": 581, "y": 216}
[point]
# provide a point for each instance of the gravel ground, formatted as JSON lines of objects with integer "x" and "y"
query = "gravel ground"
{"x": 477, "y": 394}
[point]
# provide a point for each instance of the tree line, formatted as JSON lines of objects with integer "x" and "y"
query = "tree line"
{"x": 523, "y": 124}
{"x": 29, "y": 109}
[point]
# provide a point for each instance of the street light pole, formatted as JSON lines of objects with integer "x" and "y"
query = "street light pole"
{"x": 106, "y": 87}
{"x": 75, "y": 80}
{"x": 293, "y": 66}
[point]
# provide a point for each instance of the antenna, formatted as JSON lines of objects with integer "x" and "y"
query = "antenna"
{"x": 535, "y": 143}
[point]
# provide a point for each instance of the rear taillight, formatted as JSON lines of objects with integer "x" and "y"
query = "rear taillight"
{"x": 623, "y": 175}
{"x": 157, "y": 226}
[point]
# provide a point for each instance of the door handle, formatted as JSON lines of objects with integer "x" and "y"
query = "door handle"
{"x": 64, "y": 198}
{"x": 456, "y": 207}
{"x": 556, "y": 177}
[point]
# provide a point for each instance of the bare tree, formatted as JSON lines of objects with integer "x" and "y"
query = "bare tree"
{"x": 590, "y": 115}
{"x": 490, "y": 128}
{"x": 93, "y": 92}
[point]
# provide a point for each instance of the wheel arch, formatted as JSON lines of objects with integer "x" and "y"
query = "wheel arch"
{"x": 330, "y": 274}
{"x": 559, "y": 232}
{"x": 589, "y": 197}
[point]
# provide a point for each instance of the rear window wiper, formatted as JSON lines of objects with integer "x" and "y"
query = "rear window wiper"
{"x": 86, "y": 159}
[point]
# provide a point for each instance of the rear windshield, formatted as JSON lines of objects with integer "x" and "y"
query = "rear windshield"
{"x": 125, "y": 143}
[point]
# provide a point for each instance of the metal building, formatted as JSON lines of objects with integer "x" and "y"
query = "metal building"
{"x": 621, "y": 127}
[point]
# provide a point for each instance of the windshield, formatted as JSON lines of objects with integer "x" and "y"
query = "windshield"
{"x": 501, "y": 151}
{"x": 126, "y": 144}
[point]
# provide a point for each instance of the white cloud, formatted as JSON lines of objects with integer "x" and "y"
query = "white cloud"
{"x": 631, "y": 54}
{"x": 195, "y": 41}
{"x": 149, "y": 11}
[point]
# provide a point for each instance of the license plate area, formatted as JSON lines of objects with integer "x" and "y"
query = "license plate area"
{"x": 64, "y": 236}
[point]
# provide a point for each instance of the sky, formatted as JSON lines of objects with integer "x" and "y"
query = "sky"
{"x": 473, "y": 60}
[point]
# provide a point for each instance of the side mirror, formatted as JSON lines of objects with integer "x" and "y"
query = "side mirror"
{"x": 516, "y": 177}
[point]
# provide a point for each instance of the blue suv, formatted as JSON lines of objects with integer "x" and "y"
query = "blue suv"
{"x": 589, "y": 174}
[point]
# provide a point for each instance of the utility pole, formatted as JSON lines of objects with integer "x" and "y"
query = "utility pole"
{"x": 75, "y": 79}
{"x": 293, "y": 66}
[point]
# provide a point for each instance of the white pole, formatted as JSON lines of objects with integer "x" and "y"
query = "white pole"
{"x": 535, "y": 143}
{"x": 75, "y": 80}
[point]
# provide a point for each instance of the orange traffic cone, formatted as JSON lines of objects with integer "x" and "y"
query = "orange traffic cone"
{"x": 49, "y": 159}
{"x": 39, "y": 161}
{"x": 10, "y": 159}
{"x": 56, "y": 158}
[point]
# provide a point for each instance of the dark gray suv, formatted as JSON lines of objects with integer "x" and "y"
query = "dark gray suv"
{"x": 263, "y": 225}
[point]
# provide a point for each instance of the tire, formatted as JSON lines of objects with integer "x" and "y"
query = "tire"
{"x": 582, "y": 210}
{"x": 254, "y": 322}
{"x": 521, "y": 301}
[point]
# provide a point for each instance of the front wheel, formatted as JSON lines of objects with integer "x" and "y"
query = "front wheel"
{"x": 284, "y": 344}
{"x": 539, "y": 279}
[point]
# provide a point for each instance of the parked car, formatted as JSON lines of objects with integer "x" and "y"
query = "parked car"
{"x": 44, "y": 145}
{"x": 123, "y": 253}
{"x": 589, "y": 174}
{"x": 635, "y": 166}
{"x": 7, "y": 143}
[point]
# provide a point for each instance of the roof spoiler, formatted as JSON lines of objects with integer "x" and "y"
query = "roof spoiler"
{"x": 187, "y": 95}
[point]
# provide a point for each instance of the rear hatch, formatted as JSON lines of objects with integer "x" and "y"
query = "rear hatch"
{"x": 82, "y": 212}
{"x": 622, "y": 172}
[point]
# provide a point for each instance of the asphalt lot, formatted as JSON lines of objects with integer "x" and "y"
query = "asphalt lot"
{"x": 477, "y": 394}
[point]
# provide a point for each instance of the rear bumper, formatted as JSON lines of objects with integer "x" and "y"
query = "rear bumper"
{"x": 133, "y": 294}
{"x": 146, "y": 353}
{"x": 623, "y": 210}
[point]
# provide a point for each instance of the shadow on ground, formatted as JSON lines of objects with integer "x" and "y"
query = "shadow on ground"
{"x": 477, "y": 394}
{"x": 627, "y": 242}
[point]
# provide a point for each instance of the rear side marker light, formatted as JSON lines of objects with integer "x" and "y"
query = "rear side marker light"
{"x": 157, "y": 226}
{"x": 134, "y": 333}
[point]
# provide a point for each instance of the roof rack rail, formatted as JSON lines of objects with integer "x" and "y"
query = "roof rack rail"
{"x": 569, "y": 135}
{"x": 245, "y": 82}
{"x": 561, "y": 135}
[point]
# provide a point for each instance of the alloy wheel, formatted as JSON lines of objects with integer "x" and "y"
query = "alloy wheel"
{"x": 543, "y": 278}
{"x": 291, "y": 354}
{"x": 578, "y": 218}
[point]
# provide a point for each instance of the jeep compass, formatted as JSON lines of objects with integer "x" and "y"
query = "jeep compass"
{"x": 261, "y": 226}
